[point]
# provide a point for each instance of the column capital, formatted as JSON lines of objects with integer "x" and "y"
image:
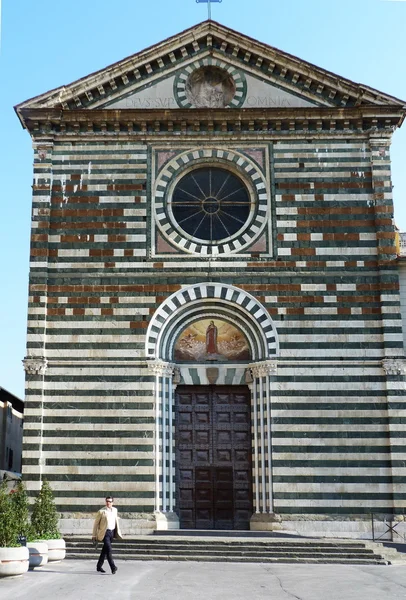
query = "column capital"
{"x": 35, "y": 365}
{"x": 380, "y": 139}
{"x": 266, "y": 367}
{"x": 43, "y": 148}
{"x": 160, "y": 367}
{"x": 394, "y": 366}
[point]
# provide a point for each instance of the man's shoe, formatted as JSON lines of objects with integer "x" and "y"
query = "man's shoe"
{"x": 114, "y": 570}
{"x": 100, "y": 570}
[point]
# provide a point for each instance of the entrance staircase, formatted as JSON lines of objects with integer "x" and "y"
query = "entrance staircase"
{"x": 243, "y": 547}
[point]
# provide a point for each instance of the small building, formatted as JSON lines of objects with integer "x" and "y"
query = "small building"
{"x": 215, "y": 331}
{"x": 11, "y": 431}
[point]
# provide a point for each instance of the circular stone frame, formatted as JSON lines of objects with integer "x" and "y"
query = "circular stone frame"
{"x": 182, "y": 77}
{"x": 203, "y": 214}
{"x": 240, "y": 166}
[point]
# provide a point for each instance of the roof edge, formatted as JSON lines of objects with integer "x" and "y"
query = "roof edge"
{"x": 102, "y": 76}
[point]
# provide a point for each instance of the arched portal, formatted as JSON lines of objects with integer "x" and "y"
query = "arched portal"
{"x": 211, "y": 298}
{"x": 214, "y": 302}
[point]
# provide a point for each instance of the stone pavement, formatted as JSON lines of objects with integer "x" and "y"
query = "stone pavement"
{"x": 149, "y": 580}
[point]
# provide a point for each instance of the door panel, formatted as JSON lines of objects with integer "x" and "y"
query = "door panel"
{"x": 223, "y": 498}
{"x": 213, "y": 457}
{"x": 203, "y": 498}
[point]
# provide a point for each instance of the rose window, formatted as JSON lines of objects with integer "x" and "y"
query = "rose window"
{"x": 211, "y": 204}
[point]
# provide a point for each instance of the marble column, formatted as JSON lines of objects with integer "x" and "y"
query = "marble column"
{"x": 263, "y": 389}
{"x": 164, "y": 445}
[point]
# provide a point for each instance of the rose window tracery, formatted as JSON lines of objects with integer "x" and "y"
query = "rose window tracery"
{"x": 210, "y": 204}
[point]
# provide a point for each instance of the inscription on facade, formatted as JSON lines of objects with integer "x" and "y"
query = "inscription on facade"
{"x": 151, "y": 103}
{"x": 170, "y": 102}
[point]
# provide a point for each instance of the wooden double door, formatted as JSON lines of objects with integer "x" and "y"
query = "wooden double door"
{"x": 213, "y": 457}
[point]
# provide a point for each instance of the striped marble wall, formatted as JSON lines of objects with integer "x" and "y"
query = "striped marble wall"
{"x": 327, "y": 281}
{"x": 402, "y": 290}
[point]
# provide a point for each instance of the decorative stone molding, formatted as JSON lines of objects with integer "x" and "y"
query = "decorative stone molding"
{"x": 380, "y": 142}
{"x": 241, "y": 167}
{"x": 187, "y": 299}
{"x": 204, "y": 374}
{"x": 166, "y": 521}
{"x": 43, "y": 149}
{"x": 188, "y": 94}
{"x": 205, "y": 43}
{"x": 264, "y": 368}
{"x": 35, "y": 366}
{"x": 265, "y": 522}
{"x": 177, "y": 376}
{"x": 160, "y": 367}
{"x": 394, "y": 366}
{"x": 248, "y": 376}
{"x": 252, "y": 122}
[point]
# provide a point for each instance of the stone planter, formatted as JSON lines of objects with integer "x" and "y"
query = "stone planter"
{"x": 13, "y": 561}
{"x": 56, "y": 549}
{"x": 38, "y": 554}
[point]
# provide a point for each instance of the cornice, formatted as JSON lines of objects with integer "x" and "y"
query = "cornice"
{"x": 378, "y": 121}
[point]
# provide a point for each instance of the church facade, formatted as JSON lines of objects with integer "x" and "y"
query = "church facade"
{"x": 214, "y": 330}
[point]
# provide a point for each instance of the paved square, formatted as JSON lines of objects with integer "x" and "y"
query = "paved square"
{"x": 153, "y": 580}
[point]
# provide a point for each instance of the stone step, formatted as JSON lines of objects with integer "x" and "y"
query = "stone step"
{"x": 228, "y": 533}
{"x": 194, "y": 548}
{"x": 228, "y": 550}
{"x": 195, "y": 542}
{"x": 243, "y": 559}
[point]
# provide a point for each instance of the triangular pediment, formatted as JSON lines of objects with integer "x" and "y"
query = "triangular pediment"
{"x": 168, "y": 75}
{"x": 248, "y": 90}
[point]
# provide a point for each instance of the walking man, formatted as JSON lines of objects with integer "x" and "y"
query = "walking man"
{"x": 106, "y": 527}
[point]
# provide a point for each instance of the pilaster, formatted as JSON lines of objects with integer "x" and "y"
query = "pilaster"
{"x": 35, "y": 368}
{"x": 395, "y": 371}
{"x": 42, "y": 190}
{"x": 262, "y": 389}
{"x": 386, "y": 245}
{"x": 164, "y": 445}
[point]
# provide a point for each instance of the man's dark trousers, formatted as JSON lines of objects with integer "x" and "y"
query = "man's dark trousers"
{"x": 106, "y": 550}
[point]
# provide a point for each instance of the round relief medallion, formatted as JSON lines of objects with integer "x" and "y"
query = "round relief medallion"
{"x": 211, "y": 202}
{"x": 210, "y": 83}
{"x": 210, "y": 87}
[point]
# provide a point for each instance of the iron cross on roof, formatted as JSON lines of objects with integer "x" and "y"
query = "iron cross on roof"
{"x": 208, "y": 2}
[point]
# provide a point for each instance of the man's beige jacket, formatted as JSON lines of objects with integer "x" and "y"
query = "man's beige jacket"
{"x": 100, "y": 525}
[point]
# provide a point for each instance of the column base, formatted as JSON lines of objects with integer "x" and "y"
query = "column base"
{"x": 166, "y": 521}
{"x": 265, "y": 522}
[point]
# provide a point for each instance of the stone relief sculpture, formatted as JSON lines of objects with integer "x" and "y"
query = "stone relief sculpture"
{"x": 210, "y": 87}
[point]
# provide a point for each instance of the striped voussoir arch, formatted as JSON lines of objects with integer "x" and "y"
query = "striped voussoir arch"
{"x": 205, "y": 294}
{"x": 241, "y": 164}
{"x": 238, "y": 77}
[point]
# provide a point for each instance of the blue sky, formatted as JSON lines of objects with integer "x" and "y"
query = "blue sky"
{"x": 47, "y": 43}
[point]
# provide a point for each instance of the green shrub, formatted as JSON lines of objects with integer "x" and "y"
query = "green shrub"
{"x": 19, "y": 501}
{"x": 44, "y": 518}
{"x": 8, "y": 519}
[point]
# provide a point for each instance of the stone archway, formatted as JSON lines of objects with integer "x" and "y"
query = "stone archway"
{"x": 205, "y": 297}
{"x": 218, "y": 301}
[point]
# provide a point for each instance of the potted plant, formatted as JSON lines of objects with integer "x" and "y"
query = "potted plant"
{"x": 14, "y": 558}
{"x": 38, "y": 551}
{"x": 44, "y": 523}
